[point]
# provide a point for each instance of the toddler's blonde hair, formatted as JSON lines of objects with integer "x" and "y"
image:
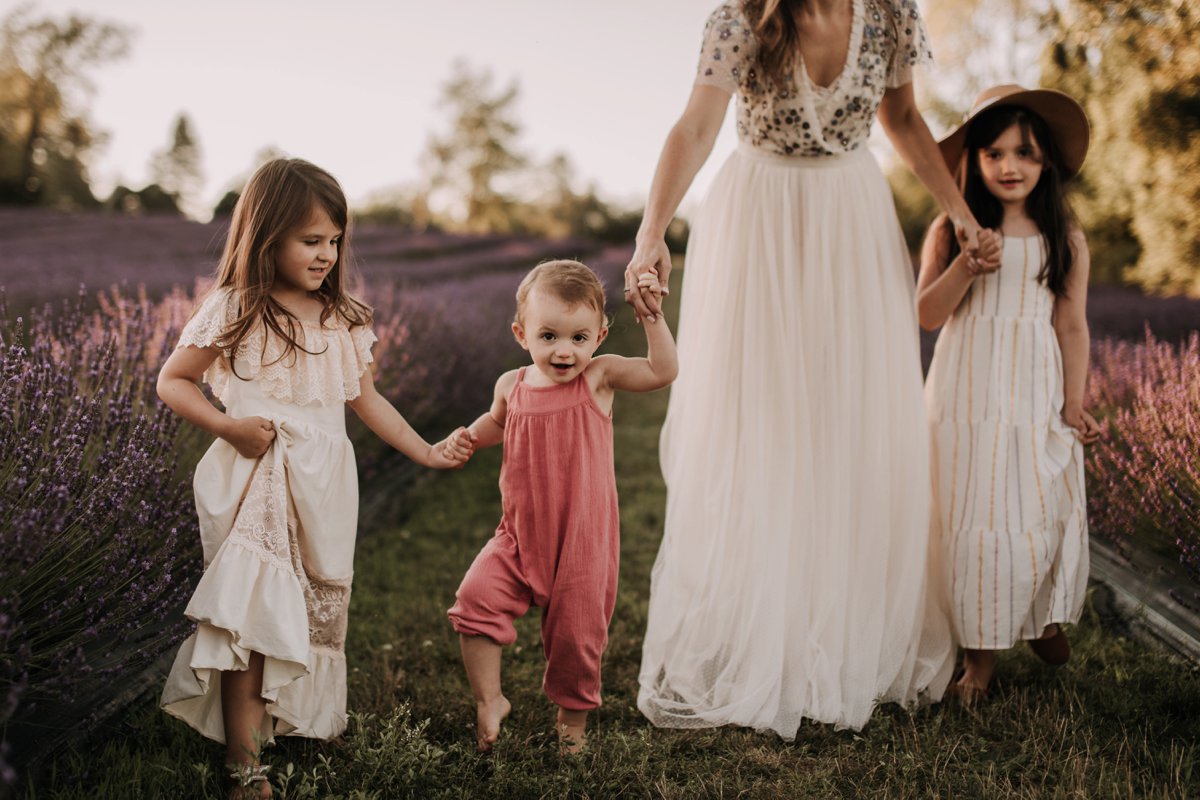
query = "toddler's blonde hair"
{"x": 570, "y": 281}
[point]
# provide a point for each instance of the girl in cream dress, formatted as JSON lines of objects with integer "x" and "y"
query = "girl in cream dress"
{"x": 284, "y": 349}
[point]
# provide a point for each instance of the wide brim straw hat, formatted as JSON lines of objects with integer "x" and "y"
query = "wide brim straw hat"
{"x": 1066, "y": 119}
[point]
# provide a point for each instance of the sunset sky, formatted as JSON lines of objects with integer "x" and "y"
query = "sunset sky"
{"x": 353, "y": 85}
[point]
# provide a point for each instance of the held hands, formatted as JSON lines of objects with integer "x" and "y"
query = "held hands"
{"x": 654, "y": 258}
{"x": 982, "y": 247}
{"x": 454, "y": 451}
{"x": 250, "y": 436}
{"x": 1084, "y": 423}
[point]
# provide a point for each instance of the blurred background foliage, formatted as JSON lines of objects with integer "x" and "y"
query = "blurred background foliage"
{"x": 1135, "y": 67}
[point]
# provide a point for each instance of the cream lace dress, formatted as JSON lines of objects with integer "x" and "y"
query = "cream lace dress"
{"x": 277, "y": 532}
{"x": 795, "y": 577}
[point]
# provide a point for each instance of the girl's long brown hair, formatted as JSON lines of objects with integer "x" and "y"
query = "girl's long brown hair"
{"x": 774, "y": 25}
{"x": 1046, "y": 204}
{"x": 280, "y": 197}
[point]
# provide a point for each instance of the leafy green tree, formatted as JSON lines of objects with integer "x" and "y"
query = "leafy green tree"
{"x": 469, "y": 163}
{"x": 45, "y": 137}
{"x": 151, "y": 199}
{"x": 177, "y": 169}
{"x": 977, "y": 44}
{"x": 1136, "y": 68}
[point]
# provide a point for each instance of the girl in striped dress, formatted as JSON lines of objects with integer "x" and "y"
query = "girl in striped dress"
{"x": 1005, "y": 390}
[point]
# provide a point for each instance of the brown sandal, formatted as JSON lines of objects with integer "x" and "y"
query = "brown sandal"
{"x": 248, "y": 782}
{"x": 1054, "y": 650}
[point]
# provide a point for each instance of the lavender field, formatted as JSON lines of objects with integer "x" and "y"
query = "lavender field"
{"x": 98, "y": 530}
{"x": 96, "y": 521}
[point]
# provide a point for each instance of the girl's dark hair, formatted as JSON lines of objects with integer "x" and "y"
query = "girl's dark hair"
{"x": 280, "y": 197}
{"x": 1046, "y": 204}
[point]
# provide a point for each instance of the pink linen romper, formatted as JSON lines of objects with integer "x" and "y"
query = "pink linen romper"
{"x": 558, "y": 543}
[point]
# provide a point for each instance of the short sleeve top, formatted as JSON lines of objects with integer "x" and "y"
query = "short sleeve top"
{"x": 887, "y": 40}
{"x": 328, "y": 373}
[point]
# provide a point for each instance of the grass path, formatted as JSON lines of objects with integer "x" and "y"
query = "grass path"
{"x": 1119, "y": 721}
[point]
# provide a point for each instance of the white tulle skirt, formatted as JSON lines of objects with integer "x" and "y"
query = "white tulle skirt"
{"x": 794, "y": 576}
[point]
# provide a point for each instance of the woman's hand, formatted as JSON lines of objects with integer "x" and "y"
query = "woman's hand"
{"x": 1084, "y": 423}
{"x": 988, "y": 255}
{"x": 649, "y": 257}
{"x": 250, "y": 436}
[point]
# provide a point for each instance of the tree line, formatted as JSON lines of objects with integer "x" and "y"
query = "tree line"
{"x": 1135, "y": 66}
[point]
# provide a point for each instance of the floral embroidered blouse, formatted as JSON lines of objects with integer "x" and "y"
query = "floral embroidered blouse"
{"x": 887, "y": 40}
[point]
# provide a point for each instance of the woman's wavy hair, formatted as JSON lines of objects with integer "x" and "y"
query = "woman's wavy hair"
{"x": 774, "y": 25}
{"x": 1046, "y": 204}
{"x": 280, "y": 197}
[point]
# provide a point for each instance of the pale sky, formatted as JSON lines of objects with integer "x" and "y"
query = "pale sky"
{"x": 353, "y": 85}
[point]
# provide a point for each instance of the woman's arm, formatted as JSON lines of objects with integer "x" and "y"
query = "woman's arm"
{"x": 1070, "y": 325}
{"x": 388, "y": 424}
{"x": 909, "y": 134}
{"x": 177, "y": 387}
{"x": 685, "y": 151}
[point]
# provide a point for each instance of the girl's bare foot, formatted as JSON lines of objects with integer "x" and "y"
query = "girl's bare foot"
{"x": 488, "y": 716}
{"x": 969, "y": 692}
{"x": 571, "y": 727}
{"x": 972, "y": 687}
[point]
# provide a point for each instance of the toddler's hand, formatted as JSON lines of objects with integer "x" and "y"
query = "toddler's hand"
{"x": 1084, "y": 424}
{"x": 251, "y": 436}
{"x": 648, "y": 282}
{"x": 455, "y": 450}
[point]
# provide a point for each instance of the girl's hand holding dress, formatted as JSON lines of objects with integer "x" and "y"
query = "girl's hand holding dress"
{"x": 250, "y": 436}
{"x": 1084, "y": 423}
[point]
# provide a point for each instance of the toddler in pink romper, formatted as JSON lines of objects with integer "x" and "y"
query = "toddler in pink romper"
{"x": 557, "y": 546}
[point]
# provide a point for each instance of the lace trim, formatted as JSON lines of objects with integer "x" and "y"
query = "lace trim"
{"x": 328, "y": 374}
{"x": 263, "y": 525}
{"x": 267, "y": 527}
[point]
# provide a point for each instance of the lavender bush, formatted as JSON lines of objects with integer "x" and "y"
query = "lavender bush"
{"x": 99, "y": 528}
{"x": 96, "y": 522}
{"x": 1144, "y": 475}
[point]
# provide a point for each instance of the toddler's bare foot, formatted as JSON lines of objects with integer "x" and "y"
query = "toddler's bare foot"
{"x": 488, "y": 716}
{"x": 571, "y": 727}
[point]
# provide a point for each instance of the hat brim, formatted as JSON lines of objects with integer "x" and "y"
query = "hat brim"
{"x": 1066, "y": 119}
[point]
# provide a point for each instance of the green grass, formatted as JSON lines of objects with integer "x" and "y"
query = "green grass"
{"x": 1119, "y": 721}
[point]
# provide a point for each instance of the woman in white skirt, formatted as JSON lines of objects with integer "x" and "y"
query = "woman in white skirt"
{"x": 793, "y": 579}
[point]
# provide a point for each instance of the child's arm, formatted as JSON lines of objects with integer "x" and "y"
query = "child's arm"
{"x": 177, "y": 387}
{"x": 1070, "y": 324}
{"x": 943, "y": 283}
{"x": 488, "y": 430}
{"x": 661, "y": 364}
{"x": 387, "y": 423}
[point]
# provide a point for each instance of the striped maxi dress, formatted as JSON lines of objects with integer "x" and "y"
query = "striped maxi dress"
{"x": 1007, "y": 471}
